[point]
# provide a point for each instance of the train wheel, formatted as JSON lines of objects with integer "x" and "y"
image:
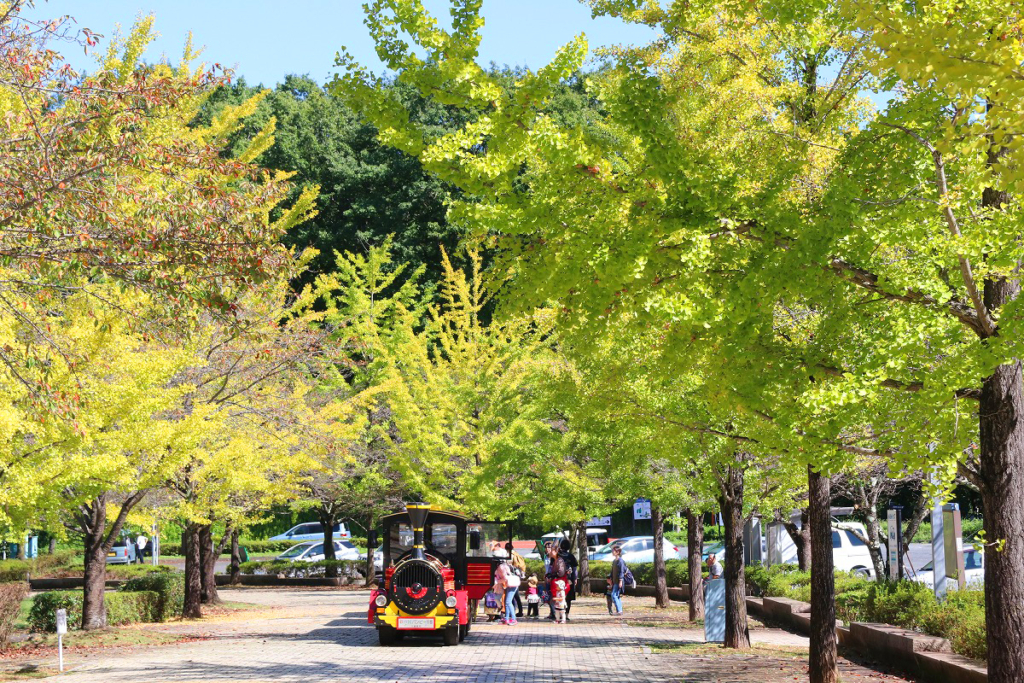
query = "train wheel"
{"x": 451, "y": 635}
{"x": 386, "y": 635}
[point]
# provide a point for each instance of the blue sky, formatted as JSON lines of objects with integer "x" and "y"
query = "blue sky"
{"x": 267, "y": 39}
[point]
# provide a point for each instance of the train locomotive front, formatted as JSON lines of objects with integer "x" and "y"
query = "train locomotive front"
{"x": 420, "y": 592}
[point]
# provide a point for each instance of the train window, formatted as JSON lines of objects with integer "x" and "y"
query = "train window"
{"x": 443, "y": 538}
{"x": 488, "y": 533}
{"x": 401, "y": 539}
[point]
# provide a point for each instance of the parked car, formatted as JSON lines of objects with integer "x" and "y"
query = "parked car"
{"x": 313, "y": 551}
{"x": 637, "y": 549}
{"x": 595, "y": 539}
{"x": 311, "y": 531}
{"x": 122, "y": 552}
{"x": 974, "y": 571}
{"x": 849, "y": 552}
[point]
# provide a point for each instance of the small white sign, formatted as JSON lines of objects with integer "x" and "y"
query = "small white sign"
{"x": 600, "y": 521}
{"x": 62, "y": 622}
{"x": 894, "y": 553}
{"x": 642, "y": 509}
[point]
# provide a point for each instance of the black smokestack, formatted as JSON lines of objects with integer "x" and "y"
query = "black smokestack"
{"x": 418, "y": 518}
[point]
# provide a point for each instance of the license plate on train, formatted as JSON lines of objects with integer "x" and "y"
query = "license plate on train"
{"x": 426, "y": 623}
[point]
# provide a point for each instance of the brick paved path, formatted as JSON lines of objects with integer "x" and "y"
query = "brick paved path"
{"x": 323, "y": 636}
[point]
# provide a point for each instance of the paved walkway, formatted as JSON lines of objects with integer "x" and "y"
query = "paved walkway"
{"x": 323, "y": 636}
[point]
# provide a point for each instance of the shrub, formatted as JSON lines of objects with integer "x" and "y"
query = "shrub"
{"x": 11, "y": 595}
{"x": 169, "y": 587}
{"x": 304, "y": 570}
{"x": 43, "y": 615}
{"x": 122, "y": 608}
{"x": 17, "y": 570}
{"x": 901, "y": 603}
{"x": 131, "y": 571}
{"x": 961, "y": 620}
{"x": 130, "y": 608}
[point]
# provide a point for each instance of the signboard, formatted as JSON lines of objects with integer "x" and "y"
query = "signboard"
{"x": 953, "y": 544}
{"x": 893, "y": 545}
{"x": 714, "y": 611}
{"x": 599, "y": 521}
{"x": 62, "y": 622}
{"x": 642, "y": 509}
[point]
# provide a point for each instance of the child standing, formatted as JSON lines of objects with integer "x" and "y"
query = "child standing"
{"x": 608, "y": 596}
{"x": 532, "y": 598}
{"x": 558, "y": 599}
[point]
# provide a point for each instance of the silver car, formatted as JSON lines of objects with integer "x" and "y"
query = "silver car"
{"x": 313, "y": 551}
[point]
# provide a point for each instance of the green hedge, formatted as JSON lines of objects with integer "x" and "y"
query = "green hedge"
{"x": 16, "y": 570}
{"x": 960, "y": 619}
{"x": 303, "y": 570}
{"x": 170, "y": 587}
{"x": 131, "y": 571}
{"x": 122, "y": 608}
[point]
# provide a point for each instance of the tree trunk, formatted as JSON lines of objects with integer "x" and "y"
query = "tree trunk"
{"x": 21, "y": 546}
{"x": 823, "y": 666}
{"x": 209, "y": 553}
{"x": 91, "y": 521}
{"x": 94, "y": 611}
{"x": 236, "y": 559}
{"x": 327, "y": 521}
{"x": 695, "y": 555}
{"x": 1001, "y": 467}
{"x": 371, "y": 572}
{"x": 584, "y": 559}
{"x": 660, "y": 582}
{"x": 193, "y": 572}
{"x": 874, "y": 539}
{"x": 801, "y": 539}
{"x": 736, "y": 633}
{"x": 53, "y": 545}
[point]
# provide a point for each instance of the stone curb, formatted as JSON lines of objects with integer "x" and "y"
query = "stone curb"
{"x": 928, "y": 657}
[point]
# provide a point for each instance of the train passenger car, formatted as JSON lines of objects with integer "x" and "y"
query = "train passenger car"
{"x": 436, "y": 568}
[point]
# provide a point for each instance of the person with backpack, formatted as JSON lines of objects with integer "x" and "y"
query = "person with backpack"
{"x": 618, "y": 579}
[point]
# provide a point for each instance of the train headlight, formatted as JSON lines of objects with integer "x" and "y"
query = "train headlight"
{"x": 381, "y": 600}
{"x": 451, "y": 601}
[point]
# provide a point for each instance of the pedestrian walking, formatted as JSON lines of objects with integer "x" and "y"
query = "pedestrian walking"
{"x": 141, "y": 544}
{"x": 617, "y": 581}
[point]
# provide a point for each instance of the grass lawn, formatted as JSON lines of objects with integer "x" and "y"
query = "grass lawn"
{"x": 781, "y": 651}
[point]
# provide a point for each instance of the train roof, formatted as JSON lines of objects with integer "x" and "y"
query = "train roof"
{"x": 435, "y": 513}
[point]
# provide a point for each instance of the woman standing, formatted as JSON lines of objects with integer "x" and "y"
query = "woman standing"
{"x": 571, "y": 573}
{"x": 618, "y": 579}
{"x": 506, "y": 578}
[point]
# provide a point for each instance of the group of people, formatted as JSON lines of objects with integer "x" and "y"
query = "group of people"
{"x": 561, "y": 579}
{"x": 557, "y": 589}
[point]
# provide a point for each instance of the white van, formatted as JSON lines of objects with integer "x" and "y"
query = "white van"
{"x": 849, "y": 553}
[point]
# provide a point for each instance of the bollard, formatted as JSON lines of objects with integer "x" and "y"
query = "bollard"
{"x": 62, "y": 628}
